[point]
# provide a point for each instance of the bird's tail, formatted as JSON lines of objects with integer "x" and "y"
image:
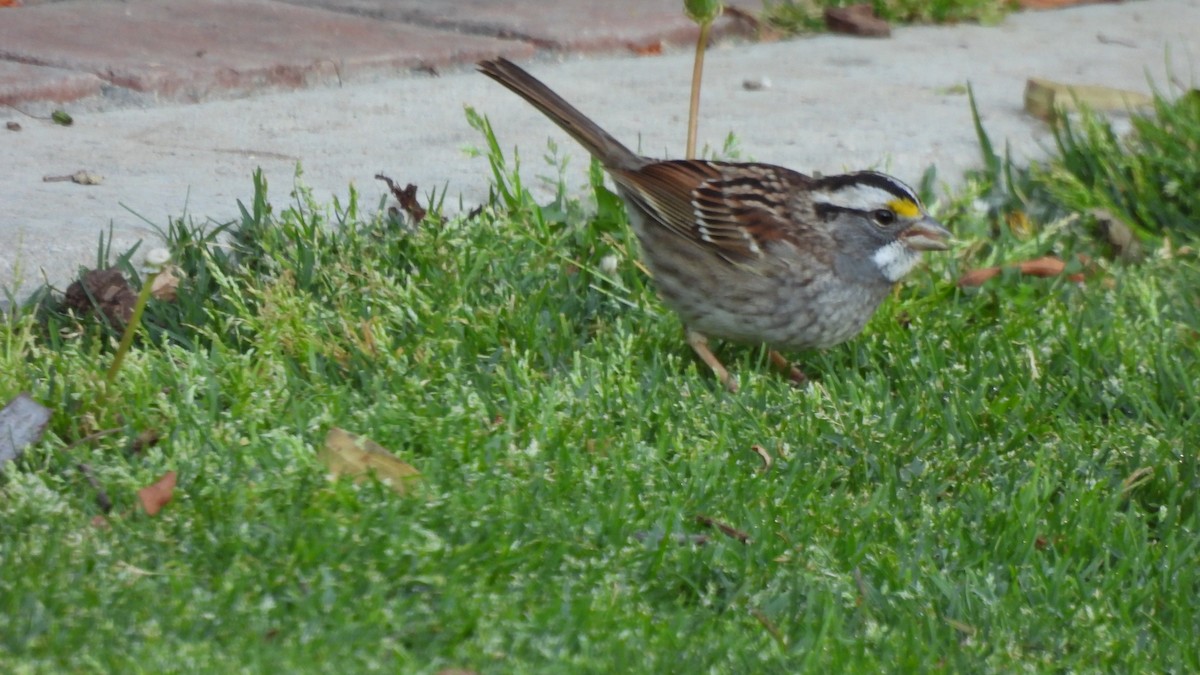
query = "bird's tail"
{"x": 611, "y": 153}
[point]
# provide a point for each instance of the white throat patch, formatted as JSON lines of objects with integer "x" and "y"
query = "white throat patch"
{"x": 896, "y": 260}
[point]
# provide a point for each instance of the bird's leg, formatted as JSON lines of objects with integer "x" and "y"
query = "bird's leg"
{"x": 699, "y": 344}
{"x": 794, "y": 374}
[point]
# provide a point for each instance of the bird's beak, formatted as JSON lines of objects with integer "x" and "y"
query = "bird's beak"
{"x": 926, "y": 234}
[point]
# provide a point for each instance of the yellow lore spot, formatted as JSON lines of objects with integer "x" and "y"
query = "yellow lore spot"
{"x": 905, "y": 208}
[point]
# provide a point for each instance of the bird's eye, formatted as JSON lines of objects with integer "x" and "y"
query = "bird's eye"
{"x": 884, "y": 216}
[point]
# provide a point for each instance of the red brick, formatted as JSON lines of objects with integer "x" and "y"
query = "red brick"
{"x": 21, "y": 82}
{"x": 194, "y": 49}
{"x": 580, "y": 25}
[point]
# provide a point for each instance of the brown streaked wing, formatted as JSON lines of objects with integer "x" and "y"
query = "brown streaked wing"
{"x": 665, "y": 189}
{"x": 746, "y": 208}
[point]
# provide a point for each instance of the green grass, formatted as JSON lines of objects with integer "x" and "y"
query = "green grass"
{"x": 998, "y": 479}
{"x": 806, "y": 16}
{"x": 1147, "y": 178}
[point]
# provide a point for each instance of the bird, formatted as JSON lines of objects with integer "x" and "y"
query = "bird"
{"x": 754, "y": 253}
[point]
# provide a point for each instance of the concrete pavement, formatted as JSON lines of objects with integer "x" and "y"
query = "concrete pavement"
{"x": 177, "y": 103}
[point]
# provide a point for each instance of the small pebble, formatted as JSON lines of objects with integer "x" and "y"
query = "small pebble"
{"x": 12, "y": 126}
{"x": 756, "y": 84}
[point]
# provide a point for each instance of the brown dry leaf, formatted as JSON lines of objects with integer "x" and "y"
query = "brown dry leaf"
{"x": 857, "y": 20}
{"x": 978, "y": 277}
{"x": 1045, "y": 99}
{"x": 113, "y": 296}
{"x": 407, "y": 198}
{"x": 1045, "y": 266}
{"x": 765, "y": 456}
{"x": 166, "y": 284}
{"x": 158, "y": 494}
{"x": 347, "y": 454}
{"x": 22, "y": 423}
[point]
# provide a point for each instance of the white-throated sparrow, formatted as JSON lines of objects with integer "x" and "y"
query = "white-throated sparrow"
{"x": 755, "y": 253}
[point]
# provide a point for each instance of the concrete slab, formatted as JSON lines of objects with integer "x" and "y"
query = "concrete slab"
{"x": 202, "y": 49}
{"x": 638, "y": 25}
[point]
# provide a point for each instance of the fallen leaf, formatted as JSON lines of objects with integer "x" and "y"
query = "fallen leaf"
{"x": 1046, "y": 266}
{"x": 859, "y": 20}
{"x": 62, "y": 118}
{"x": 22, "y": 423}
{"x": 110, "y": 292}
{"x": 407, "y": 198}
{"x": 764, "y": 456}
{"x": 158, "y": 494}
{"x": 977, "y": 277}
{"x": 166, "y": 284}
{"x": 347, "y": 454}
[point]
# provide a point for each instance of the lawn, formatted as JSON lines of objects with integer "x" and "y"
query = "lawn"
{"x": 993, "y": 478}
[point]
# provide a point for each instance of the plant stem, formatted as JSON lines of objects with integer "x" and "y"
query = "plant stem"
{"x": 697, "y": 74}
{"x": 131, "y": 328}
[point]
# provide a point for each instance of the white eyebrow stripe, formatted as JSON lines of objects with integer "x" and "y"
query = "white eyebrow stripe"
{"x": 858, "y": 197}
